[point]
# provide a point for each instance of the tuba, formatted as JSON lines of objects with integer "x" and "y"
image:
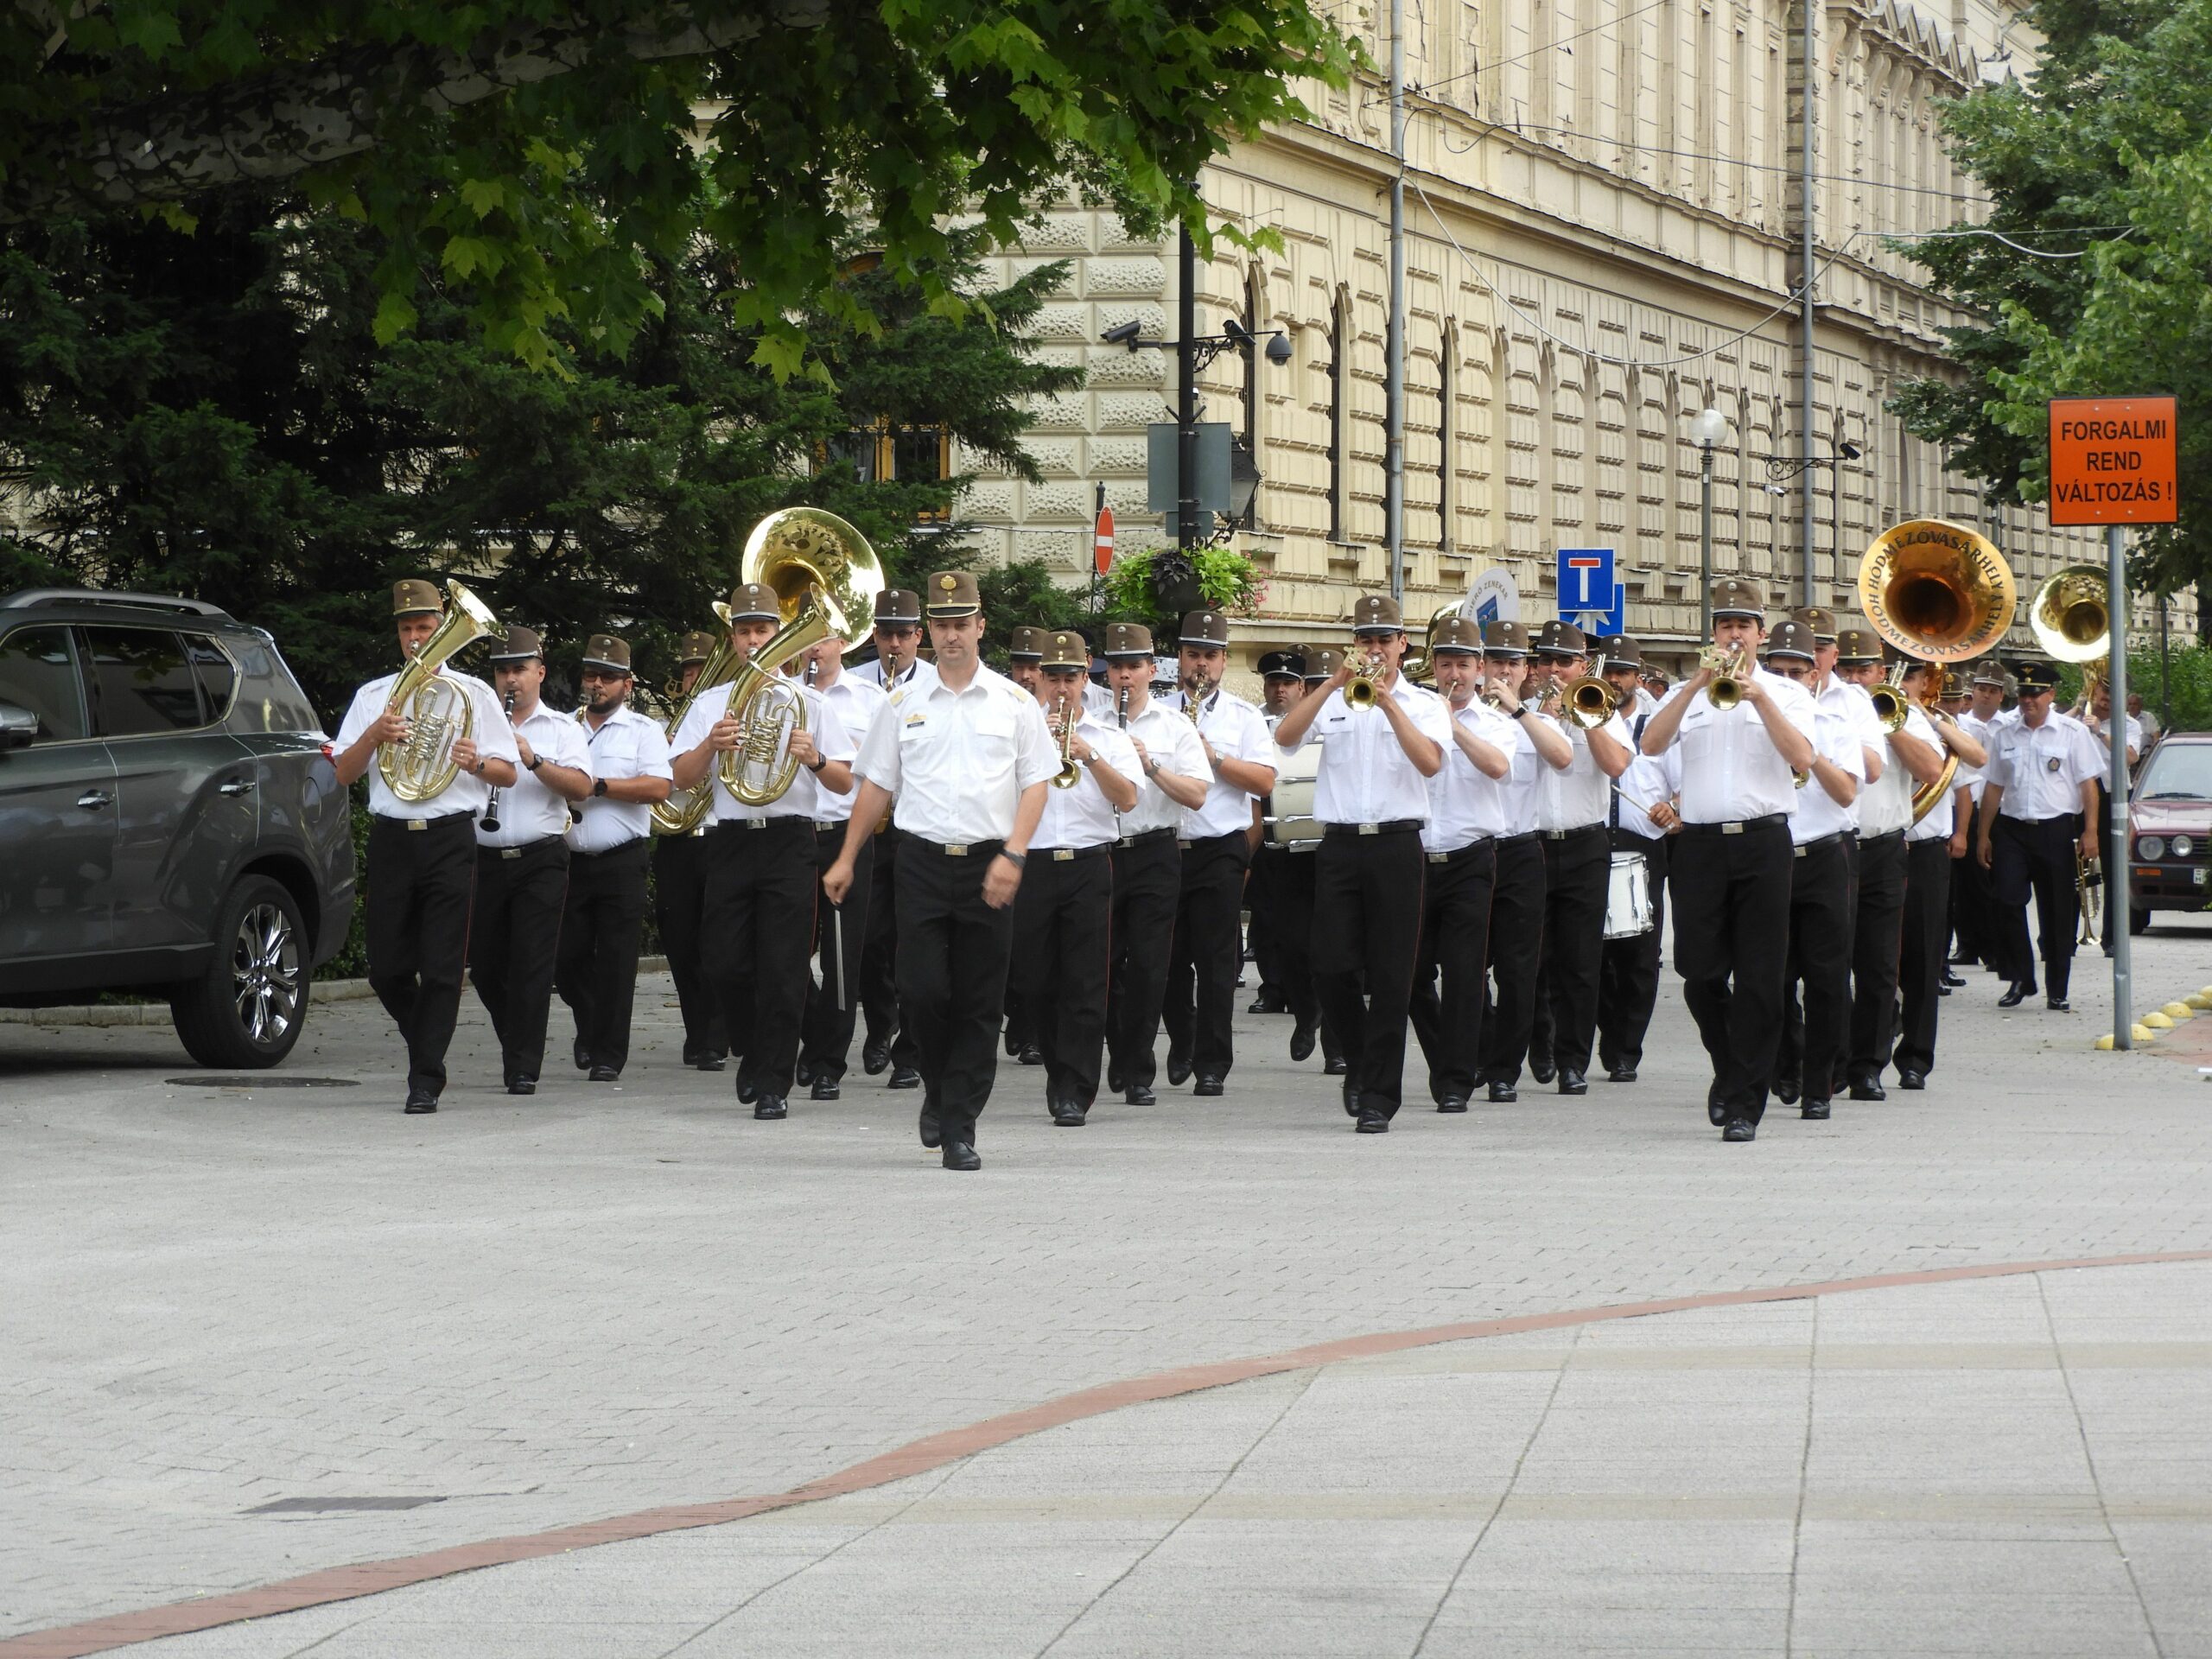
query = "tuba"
{"x": 686, "y": 808}
{"x": 420, "y": 765}
{"x": 826, "y": 578}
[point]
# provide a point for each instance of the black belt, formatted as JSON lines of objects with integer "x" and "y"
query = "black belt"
{"x": 1836, "y": 836}
{"x": 1144, "y": 838}
{"x": 444, "y": 820}
{"x": 1579, "y": 829}
{"x": 629, "y": 846}
{"x": 954, "y": 849}
{"x": 739, "y": 825}
{"x": 1069, "y": 855}
{"x": 1525, "y": 837}
{"x": 1887, "y": 835}
{"x": 1394, "y": 827}
{"x": 1735, "y": 826}
{"x": 1208, "y": 841}
{"x": 1459, "y": 852}
{"x": 537, "y": 846}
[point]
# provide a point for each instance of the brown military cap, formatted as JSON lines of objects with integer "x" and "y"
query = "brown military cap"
{"x": 414, "y": 596}
{"x": 1282, "y": 666}
{"x": 1028, "y": 643}
{"x": 1620, "y": 651}
{"x": 1502, "y": 637}
{"x": 953, "y": 593}
{"x": 897, "y": 608}
{"x": 1856, "y": 645}
{"x": 1128, "y": 639}
{"x": 1378, "y": 613}
{"x": 1557, "y": 639}
{"x": 1733, "y": 596}
{"x": 1205, "y": 629}
{"x": 1990, "y": 671}
{"x": 519, "y": 647}
{"x": 1066, "y": 650}
{"x": 1820, "y": 619}
{"x": 605, "y": 651}
{"x": 755, "y": 602}
{"x": 1456, "y": 634}
{"x": 1790, "y": 639}
{"x": 1320, "y": 664}
{"x": 696, "y": 647}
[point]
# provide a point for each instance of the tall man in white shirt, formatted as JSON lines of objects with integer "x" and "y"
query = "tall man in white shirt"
{"x": 898, "y": 663}
{"x": 1572, "y": 807}
{"x": 1148, "y": 864}
{"x": 522, "y": 865}
{"x": 964, "y": 762}
{"x": 1732, "y": 868}
{"x": 1372, "y": 799}
{"x": 605, "y": 915}
{"x": 679, "y": 904}
{"x": 1282, "y": 682}
{"x": 422, "y": 854}
{"x": 2038, "y": 807}
{"x": 1466, "y": 814}
{"x": 840, "y": 931}
{"x": 1929, "y": 849}
{"x": 762, "y": 873}
{"x": 1641, "y": 819}
{"x": 1216, "y": 848}
{"x": 1062, "y": 913}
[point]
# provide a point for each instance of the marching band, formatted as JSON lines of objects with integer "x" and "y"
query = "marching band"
{"x": 1478, "y": 842}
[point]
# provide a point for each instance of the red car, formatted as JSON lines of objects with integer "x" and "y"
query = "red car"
{"x": 2170, "y": 818}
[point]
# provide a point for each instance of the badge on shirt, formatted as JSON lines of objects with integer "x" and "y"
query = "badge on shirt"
{"x": 2051, "y": 765}
{"x": 915, "y": 720}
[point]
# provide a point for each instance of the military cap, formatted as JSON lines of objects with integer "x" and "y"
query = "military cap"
{"x": 953, "y": 593}
{"x": 521, "y": 646}
{"x": 695, "y": 648}
{"x": 1792, "y": 639}
{"x": 1619, "y": 651}
{"x": 607, "y": 651}
{"x": 1205, "y": 629}
{"x": 1282, "y": 666}
{"x": 414, "y": 596}
{"x": 1065, "y": 650}
{"x": 1990, "y": 671}
{"x": 1855, "y": 646}
{"x": 2037, "y": 677}
{"x": 1820, "y": 619}
{"x": 1378, "y": 613}
{"x": 755, "y": 602}
{"x": 1455, "y": 635}
{"x": 1733, "y": 596}
{"x": 1954, "y": 684}
{"x": 1028, "y": 644}
{"x": 1557, "y": 639}
{"x": 897, "y": 608}
{"x": 1320, "y": 664}
{"x": 1126, "y": 639}
{"x": 1504, "y": 638}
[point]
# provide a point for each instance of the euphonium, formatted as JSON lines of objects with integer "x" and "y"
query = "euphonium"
{"x": 420, "y": 765}
{"x": 826, "y": 578}
{"x": 1362, "y": 690}
{"x": 1589, "y": 701}
{"x": 1070, "y": 774}
{"x": 1725, "y": 690}
{"x": 685, "y": 809}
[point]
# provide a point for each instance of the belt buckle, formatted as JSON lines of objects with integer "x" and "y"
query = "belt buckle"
{"x": 958, "y": 851}
{"x": 418, "y": 824}
{"x": 753, "y": 824}
{"x": 1733, "y": 827}
{"x": 1061, "y": 855}
{"x": 1439, "y": 858}
{"x": 1797, "y": 852}
{"x": 1183, "y": 845}
{"x": 1371, "y": 829}
{"x": 510, "y": 852}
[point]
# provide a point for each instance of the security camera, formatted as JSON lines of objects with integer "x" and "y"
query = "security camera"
{"x": 1279, "y": 348}
{"x": 1775, "y": 489}
{"x": 1235, "y": 332}
{"x": 1123, "y": 334}
{"x": 1849, "y": 450}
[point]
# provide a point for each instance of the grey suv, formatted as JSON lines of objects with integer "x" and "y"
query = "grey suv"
{"x": 169, "y": 819}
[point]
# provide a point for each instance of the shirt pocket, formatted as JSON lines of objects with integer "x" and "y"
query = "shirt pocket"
{"x": 1698, "y": 741}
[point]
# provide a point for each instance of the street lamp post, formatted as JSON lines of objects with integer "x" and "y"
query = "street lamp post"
{"x": 1706, "y": 428}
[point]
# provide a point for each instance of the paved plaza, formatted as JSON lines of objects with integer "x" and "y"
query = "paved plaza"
{"x": 256, "y": 1332}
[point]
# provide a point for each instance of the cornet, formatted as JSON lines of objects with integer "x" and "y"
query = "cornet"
{"x": 1070, "y": 773}
{"x": 1363, "y": 688}
{"x": 1726, "y": 690}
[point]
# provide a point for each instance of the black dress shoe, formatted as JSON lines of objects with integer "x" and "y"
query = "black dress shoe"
{"x": 928, "y": 1124}
{"x": 1910, "y": 1079}
{"x": 875, "y": 1054}
{"x": 2017, "y": 993}
{"x": 1815, "y": 1109}
{"x": 1269, "y": 1000}
{"x": 958, "y": 1154}
{"x": 1140, "y": 1094}
{"x": 605, "y": 1074}
{"x": 1787, "y": 1088}
{"x": 1621, "y": 1074}
{"x": 1178, "y": 1069}
{"x": 1503, "y": 1094}
{"x": 1031, "y": 1055}
{"x": 1207, "y": 1085}
{"x": 1740, "y": 1128}
{"x": 803, "y": 1074}
{"x": 769, "y": 1108}
{"x": 1371, "y": 1122}
{"x": 522, "y": 1085}
{"x": 1013, "y": 1041}
{"x": 582, "y": 1056}
{"x": 1571, "y": 1081}
{"x": 904, "y": 1077}
{"x": 2058, "y": 1005}
{"x": 1953, "y": 979}
{"x": 1716, "y": 1104}
{"x": 1335, "y": 1067}
{"x": 1114, "y": 1080}
{"x": 1542, "y": 1070}
{"x": 420, "y": 1101}
{"x": 1867, "y": 1086}
{"x": 1067, "y": 1115}
{"x": 1301, "y": 1042}
{"x": 1452, "y": 1103}
{"x": 747, "y": 1092}
{"x": 826, "y": 1088}
{"x": 710, "y": 1061}
{"x": 1945, "y": 990}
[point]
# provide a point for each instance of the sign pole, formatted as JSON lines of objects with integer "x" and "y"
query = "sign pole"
{"x": 2116, "y": 849}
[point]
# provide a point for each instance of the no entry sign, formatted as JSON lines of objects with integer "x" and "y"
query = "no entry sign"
{"x": 2112, "y": 461}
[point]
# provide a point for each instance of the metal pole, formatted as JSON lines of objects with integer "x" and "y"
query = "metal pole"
{"x": 2115, "y": 847}
{"x": 1705, "y": 537}
{"x": 2165, "y": 668}
{"x": 1393, "y": 463}
{"x": 1187, "y": 397}
{"x": 1097, "y": 507}
{"x": 1805, "y": 211}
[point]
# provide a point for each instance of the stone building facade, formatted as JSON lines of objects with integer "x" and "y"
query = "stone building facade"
{"x": 1602, "y": 238}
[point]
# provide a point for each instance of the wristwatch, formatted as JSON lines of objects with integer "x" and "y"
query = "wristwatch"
{"x": 1014, "y": 858}
{"x": 535, "y": 760}
{"x": 599, "y": 787}
{"x": 1520, "y": 709}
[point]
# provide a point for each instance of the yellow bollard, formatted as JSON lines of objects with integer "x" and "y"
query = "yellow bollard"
{"x": 2142, "y": 1035}
{"x": 2198, "y": 1001}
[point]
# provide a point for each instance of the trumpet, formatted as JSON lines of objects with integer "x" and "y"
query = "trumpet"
{"x": 1726, "y": 690}
{"x": 1366, "y": 670}
{"x": 1590, "y": 701}
{"x": 1070, "y": 773}
{"x": 1891, "y": 704}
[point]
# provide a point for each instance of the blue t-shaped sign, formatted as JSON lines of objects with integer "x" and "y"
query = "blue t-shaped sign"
{"x": 1588, "y": 594}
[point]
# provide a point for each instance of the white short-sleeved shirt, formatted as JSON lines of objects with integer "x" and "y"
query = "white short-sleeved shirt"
{"x": 1650, "y": 779}
{"x": 1366, "y": 776}
{"x": 1885, "y": 805}
{"x": 801, "y": 799}
{"x": 1083, "y": 816}
{"x": 1237, "y": 732}
{"x": 1172, "y": 743}
{"x": 494, "y": 738}
{"x": 855, "y": 703}
{"x": 626, "y": 744}
{"x": 1854, "y": 701}
{"x": 1522, "y": 785}
{"x": 2041, "y": 768}
{"x": 1975, "y": 777}
{"x": 1581, "y": 795}
{"x": 955, "y": 763}
{"x": 530, "y": 812}
{"x": 1838, "y": 742}
{"x": 1464, "y": 805}
{"x": 2101, "y": 730}
{"x": 1730, "y": 768}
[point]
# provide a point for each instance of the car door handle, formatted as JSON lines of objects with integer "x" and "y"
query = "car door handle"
{"x": 93, "y": 799}
{"x": 237, "y": 786}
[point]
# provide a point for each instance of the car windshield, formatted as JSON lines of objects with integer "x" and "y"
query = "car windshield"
{"x": 2178, "y": 771}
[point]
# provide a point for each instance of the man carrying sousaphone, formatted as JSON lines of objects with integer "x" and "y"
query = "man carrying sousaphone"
{"x": 422, "y": 854}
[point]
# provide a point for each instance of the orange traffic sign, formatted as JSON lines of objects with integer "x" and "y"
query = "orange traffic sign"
{"x": 2112, "y": 461}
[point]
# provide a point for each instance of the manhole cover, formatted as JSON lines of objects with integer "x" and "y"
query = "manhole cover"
{"x": 263, "y": 1080}
{"x": 314, "y": 1505}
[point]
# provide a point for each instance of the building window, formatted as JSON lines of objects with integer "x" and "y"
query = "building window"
{"x": 1252, "y": 353}
{"x": 886, "y": 453}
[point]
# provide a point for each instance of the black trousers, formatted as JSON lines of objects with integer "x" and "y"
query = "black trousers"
{"x": 514, "y": 937}
{"x": 1201, "y": 997}
{"x": 1821, "y": 913}
{"x": 1061, "y": 919}
{"x": 1578, "y": 872}
{"x": 825, "y": 1038}
{"x": 1147, "y": 888}
{"x": 1628, "y": 970}
{"x": 2034, "y": 857}
{"x": 1367, "y": 905}
{"x": 760, "y": 890}
{"x": 679, "y": 909}
{"x": 1920, "y": 967}
{"x": 600, "y": 927}
{"x": 1448, "y": 1018}
{"x": 1517, "y": 942}
{"x": 1732, "y": 939}
{"x": 1264, "y": 934}
{"x": 878, "y": 962}
{"x": 416, "y": 904}
{"x": 1293, "y": 899}
{"x": 1973, "y": 919}
{"x": 1876, "y": 935}
{"x": 953, "y": 952}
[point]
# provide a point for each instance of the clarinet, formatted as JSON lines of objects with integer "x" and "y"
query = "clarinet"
{"x": 491, "y": 819}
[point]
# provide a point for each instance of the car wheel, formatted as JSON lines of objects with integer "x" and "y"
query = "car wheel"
{"x": 246, "y": 1010}
{"x": 2139, "y": 921}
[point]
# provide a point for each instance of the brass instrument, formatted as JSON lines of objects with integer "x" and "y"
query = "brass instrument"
{"x": 1891, "y": 704}
{"x": 1363, "y": 688}
{"x": 826, "y": 577}
{"x": 1195, "y": 692}
{"x": 1070, "y": 773}
{"x": 2071, "y": 620}
{"x": 1726, "y": 688}
{"x": 686, "y": 808}
{"x": 2090, "y": 890}
{"x": 420, "y": 765}
{"x": 1420, "y": 666}
{"x": 1590, "y": 701}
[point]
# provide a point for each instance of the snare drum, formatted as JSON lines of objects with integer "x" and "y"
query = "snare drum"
{"x": 1628, "y": 897}
{"x": 1289, "y": 820}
